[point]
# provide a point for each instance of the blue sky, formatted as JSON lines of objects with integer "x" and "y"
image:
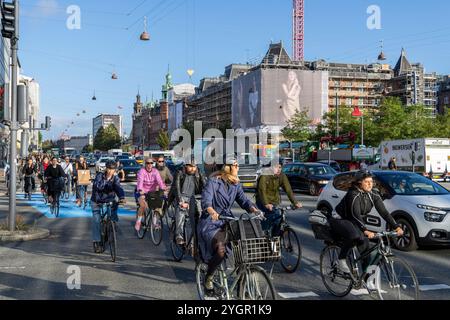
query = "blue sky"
{"x": 206, "y": 36}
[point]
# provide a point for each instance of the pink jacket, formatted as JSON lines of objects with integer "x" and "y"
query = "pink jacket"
{"x": 149, "y": 181}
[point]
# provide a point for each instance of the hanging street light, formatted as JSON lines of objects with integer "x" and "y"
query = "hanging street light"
{"x": 145, "y": 36}
{"x": 94, "y": 97}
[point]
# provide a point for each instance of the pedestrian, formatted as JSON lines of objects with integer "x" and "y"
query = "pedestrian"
{"x": 393, "y": 164}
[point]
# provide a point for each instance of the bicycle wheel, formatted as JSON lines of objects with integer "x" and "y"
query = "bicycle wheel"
{"x": 336, "y": 282}
{"x": 178, "y": 251}
{"x": 200, "y": 275}
{"x": 396, "y": 280}
{"x": 291, "y": 251}
{"x": 57, "y": 206}
{"x": 156, "y": 227}
{"x": 112, "y": 240}
{"x": 144, "y": 225}
{"x": 256, "y": 285}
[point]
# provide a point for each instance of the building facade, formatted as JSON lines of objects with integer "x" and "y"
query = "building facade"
{"x": 177, "y": 102}
{"x": 444, "y": 95}
{"x": 5, "y": 94}
{"x": 105, "y": 120}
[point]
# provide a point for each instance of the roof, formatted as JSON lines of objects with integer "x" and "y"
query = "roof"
{"x": 403, "y": 66}
{"x": 277, "y": 54}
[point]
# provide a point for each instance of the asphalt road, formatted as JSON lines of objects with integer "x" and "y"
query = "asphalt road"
{"x": 41, "y": 269}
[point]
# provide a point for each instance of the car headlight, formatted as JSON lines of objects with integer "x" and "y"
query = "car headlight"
{"x": 324, "y": 182}
{"x": 434, "y": 217}
{"x": 428, "y": 208}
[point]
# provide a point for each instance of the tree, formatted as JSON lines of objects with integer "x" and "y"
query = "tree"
{"x": 88, "y": 149}
{"x": 39, "y": 138}
{"x": 163, "y": 140}
{"x": 107, "y": 138}
{"x": 298, "y": 128}
{"x": 48, "y": 145}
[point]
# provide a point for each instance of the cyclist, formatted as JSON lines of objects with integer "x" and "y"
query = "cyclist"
{"x": 105, "y": 189}
{"x": 80, "y": 165}
{"x": 68, "y": 170}
{"x": 188, "y": 183}
{"x": 358, "y": 203}
{"x": 42, "y": 168}
{"x": 29, "y": 170}
{"x": 219, "y": 195}
{"x": 164, "y": 171}
{"x": 148, "y": 181}
{"x": 268, "y": 196}
{"x": 55, "y": 179}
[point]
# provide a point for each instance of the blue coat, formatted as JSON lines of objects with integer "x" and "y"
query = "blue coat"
{"x": 215, "y": 195}
{"x": 104, "y": 191}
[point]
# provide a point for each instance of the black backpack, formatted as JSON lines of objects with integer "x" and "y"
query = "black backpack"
{"x": 246, "y": 229}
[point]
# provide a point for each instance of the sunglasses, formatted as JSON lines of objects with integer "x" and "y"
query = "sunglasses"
{"x": 149, "y": 163}
{"x": 160, "y": 161}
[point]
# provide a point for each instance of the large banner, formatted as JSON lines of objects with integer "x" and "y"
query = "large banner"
{"x": 270, "y": 97}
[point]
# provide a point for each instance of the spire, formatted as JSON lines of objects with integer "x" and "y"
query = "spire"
{"x": 403, "y": 66}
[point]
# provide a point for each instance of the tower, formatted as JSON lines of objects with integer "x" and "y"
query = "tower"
{"x": 298, "y": 24}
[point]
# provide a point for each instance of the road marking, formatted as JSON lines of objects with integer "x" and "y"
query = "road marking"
{"x": 434, "y": 287}
{"x": 12, "y": 268}
{"x": 295, "y": 295}
{"x": 360, "y": 292}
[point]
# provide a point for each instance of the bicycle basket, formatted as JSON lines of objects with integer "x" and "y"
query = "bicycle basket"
{"x": 256, "y": 251}
{"x": 154, "y": 200}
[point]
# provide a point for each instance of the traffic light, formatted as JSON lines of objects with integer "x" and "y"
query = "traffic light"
{"x": 48, "y": 122}
{"x": 8, "y": 20}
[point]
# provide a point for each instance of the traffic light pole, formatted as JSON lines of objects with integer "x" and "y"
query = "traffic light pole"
{"x": 14, "y": 124}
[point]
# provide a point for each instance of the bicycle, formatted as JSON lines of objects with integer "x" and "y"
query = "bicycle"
{"x": 291, "y": 251}
{"x": 83, "y": 196}
{"x": 388, "y": 276}
{"x": 108, "y": 230}
{"x": 152, "y": 220}
{"x": 55, "y": 205}
{"x": 66, "y": 193}
{"x": 250, "y": 281}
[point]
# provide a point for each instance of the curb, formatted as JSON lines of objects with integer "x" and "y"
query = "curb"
{"x": 35, "y": 234}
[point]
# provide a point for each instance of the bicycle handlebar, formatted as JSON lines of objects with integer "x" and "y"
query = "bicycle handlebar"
{"x": 255, "y": 217}
{"x": 391, "y": 234}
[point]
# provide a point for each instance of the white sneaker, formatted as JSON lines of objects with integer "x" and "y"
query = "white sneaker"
{"x": 343, "y": 266}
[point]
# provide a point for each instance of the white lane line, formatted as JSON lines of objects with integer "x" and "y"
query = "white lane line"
{"x": 12, "y": 268}
{"x": 296, "y": 295}
{"x": 434, "y": 287}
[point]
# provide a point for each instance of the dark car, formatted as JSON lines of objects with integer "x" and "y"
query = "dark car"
{"x": 309, "y": 177}
{"x": 123, "y": 157}
{"x": 334, "y": 164}
{"x": 131, "y": 169}
{"x": 91, "y": 161}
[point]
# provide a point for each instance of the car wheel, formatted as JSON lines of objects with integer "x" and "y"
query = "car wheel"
{"x": 313, "y": 189}
{"x": 408, "y": 242}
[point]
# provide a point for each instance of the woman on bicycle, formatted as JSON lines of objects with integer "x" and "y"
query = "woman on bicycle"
{"x": 354, "y": 207}
{"x": 55, "y": 179}
{"x": 105, "y": 189}
{"x": 42, "y": 168}
{"x": 29, "y": 171}
{"x": 80, "y": 165}
{"x": 221, "y": 191}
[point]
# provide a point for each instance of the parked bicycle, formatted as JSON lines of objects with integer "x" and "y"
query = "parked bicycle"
{"x": 291, "y": 251}
{"x": 108, "y": 230}
{"x": 388, "y": 276}
{"x": 249, "y": 281}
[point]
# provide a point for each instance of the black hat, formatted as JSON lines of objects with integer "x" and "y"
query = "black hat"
{"x": 111, "y": 165}
{"x": 361, "y": 175}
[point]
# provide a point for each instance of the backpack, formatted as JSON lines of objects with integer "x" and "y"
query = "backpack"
{"x": 246, "y": 229}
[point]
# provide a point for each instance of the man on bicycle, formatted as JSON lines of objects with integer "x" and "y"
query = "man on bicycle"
{"x": 357, "y": 204}
{"x": 68, "y": 170}
{"x": 105, "y": 189}
{"x": 189, "y": 182}
{"x": 148, "y": 181}
{"x": 268, "y": 196}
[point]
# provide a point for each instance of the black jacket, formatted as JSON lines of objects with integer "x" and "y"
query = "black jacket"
{"x": 357, "y": 204}
{"x": 180, "y": 177}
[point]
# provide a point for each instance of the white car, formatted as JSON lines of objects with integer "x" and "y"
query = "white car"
{"x": 419, "y": 205}
{"x": 100, "y": 166}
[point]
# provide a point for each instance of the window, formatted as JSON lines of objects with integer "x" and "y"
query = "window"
{"x": 361, "y": 101}
{"x": 348, "y": 101}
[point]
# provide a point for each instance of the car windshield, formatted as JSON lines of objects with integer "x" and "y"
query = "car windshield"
{"x": 410, "y": 184}
{"x": 320, "y": 170}
{"x": 129, "y": 163}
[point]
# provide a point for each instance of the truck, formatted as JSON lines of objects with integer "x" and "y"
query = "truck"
{"x": 249, "y": 165}
{"x": 115, "y": 152}
{"x": 427, "y": 156}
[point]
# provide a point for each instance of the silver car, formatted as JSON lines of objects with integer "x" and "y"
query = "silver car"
{"x": 419, "y": 205}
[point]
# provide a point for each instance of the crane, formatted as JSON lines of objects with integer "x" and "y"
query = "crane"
{"x": 298, "y": 25}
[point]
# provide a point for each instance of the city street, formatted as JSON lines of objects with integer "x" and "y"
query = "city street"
{"x": 41, "y": 269}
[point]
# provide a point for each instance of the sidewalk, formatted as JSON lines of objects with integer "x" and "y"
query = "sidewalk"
{"x": 30, "y": 217}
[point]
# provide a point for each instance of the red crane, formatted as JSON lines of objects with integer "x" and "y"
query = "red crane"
{"x": 298, "y": 27}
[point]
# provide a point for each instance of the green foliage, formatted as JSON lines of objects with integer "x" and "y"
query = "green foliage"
{"x": 88, "y": 149}
{"x": 107, "y": 138}
{"x": 48, "y": 145}
{"x": 298, "y": 128}
{"x": 163, "y": 140}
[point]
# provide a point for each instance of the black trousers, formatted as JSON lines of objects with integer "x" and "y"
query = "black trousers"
{"x": 350, "y": 235}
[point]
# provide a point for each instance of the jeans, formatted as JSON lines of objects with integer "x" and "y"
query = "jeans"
{"x": 273, "y": 220}
{"x": 181, "y": 215}
{"x": 96, "y": 215}
{"x": 79, "y": 188}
